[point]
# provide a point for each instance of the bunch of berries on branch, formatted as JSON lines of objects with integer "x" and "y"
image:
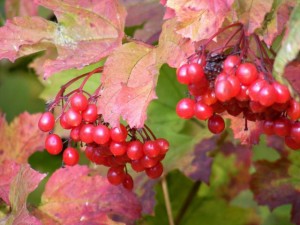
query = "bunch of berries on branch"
{"x": 113, "y": 147}
{"x": 236, "y": 78}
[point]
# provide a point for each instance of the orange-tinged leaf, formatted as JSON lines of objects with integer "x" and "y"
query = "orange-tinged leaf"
{"x": 74, "y": 196}
{"x": 83, "y": 35}
{"x": 16, "y": 182}
{"x": 129, "y": 79}
{"x": 20, "y": 8}
{"x": 21, "y": 138}
{"x": 173, "y": 48}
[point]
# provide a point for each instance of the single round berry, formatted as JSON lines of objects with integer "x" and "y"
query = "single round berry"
{"x": 137, "y": 166}
{"x": 195, "y": 72}
{"x": 148, "y": 162}
{"x": 282, "y": 127}
{"x": 216, "y": 124}
{"x": 46, "y": 122}
{"x": 163, "y": 144}
{"x": 223, "y": 90}
{"x": 119, "y": 134}
{"x": 231, "y": 63}
{"x": 203, "y": 111}
{"x": 135, "y": 150}
{"x": 63, "y": 122}
{"x": 73, "y": 117}
{"x": 254, "y": 89}
{"x": 90, "y": 113}
{"x": 151, "y": 149}
{"x": 182, "y": 75}
{"x": 53, "y": 144}
{"x": 70, "y": 156}
{"x": 236, "y": 85}
{"x": 283, "y": 93}
{"x": 101, "y": 134}
{"x": 267, "y": 95}
{"x": 247, "y": 73}
{"x": 185, "y": 108}
{"x": 128, "y": 182}
{"x": 155, "y": 171}
{"x": 116, "y": 175}
{"x": 268, "y": 127}
{"x": 291, "y": 143}
{"x": 295, "y": 132}
{"x": 118, "y": 148}
{"x": 75, "y": 133}
{"x": 78, "y": 102}
{"x": 293, "y": 111}
{"x": 86, "y": 133}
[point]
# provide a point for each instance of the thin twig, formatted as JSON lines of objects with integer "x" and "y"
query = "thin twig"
{"x": 167, "y": 200}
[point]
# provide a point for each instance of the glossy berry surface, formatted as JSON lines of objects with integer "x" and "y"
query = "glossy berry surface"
{"x": 53, "y": 144}
{"x": 185, "y": 108}
{"x": 78, "y": 102}
{"x": 216, "y": 124}
{"x": 70, "y": 156}
{"x": 46, "y": 122}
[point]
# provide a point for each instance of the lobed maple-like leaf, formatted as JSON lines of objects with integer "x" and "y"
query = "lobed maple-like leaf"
{"x": 149, "y": 14}
{"x": 172, "y": 48}
{"x": 21, "y": 138}
{"x": 74, "y": 196}
{"x": 198, "y": 19}
{"x": 16, "y": 182}
{"x": 129, "y": 79}
{"x": 272, "y": 184}
{"x": 252, "y": 13}
{"x": 20, "y": 8}
{"x": 83, "y": 35}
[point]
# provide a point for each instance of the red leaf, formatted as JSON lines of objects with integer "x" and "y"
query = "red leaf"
{"x": 250, "y": 136}
{"x": 148, "y": 13}
{"x": 19, "y": 180}
{"x": 271, "y": 185}
{"x": 129, "y": 86}
{"x": 21, "y": 138}
{"x": 84, "y": 35}
{"x": 72, "y": 196}
{"x": 199, "y": 20}
{"x": 20, "y": 8}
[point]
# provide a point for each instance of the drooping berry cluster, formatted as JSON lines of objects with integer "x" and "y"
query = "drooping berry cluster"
{"x": 113, "y": 147}
{"x": 237, "y": 80}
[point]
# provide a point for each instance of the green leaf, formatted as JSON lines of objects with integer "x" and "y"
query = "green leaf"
{"x": 262, "y": 151}
{"x": 290, "y": 46}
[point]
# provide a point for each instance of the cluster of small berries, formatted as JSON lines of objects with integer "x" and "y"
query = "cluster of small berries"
{"x": 112, "y": 147}
{"x": 240, "y": 87}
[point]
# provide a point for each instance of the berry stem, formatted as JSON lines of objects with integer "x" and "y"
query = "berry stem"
{"x": 167, "y": 200}
{"x": 150, "y": 131}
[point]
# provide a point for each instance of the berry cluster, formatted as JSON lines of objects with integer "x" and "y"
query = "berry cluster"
{"x": 238, "y": 81}
{"x": 112, "y": 147}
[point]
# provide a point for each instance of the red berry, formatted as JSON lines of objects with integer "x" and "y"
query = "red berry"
{"x": 101, "y": 134}
{"x": 267, "y": 95}
{"x": 70, "y": 156}
{"x": 185, "y": 108}
{"x": 247, "y": 73}
{"x": 75, "y": 133}
{"x": 151, "y": 149}
{"x": 163, "y": 144}
{"x": 236, "y": 85}
{"x": 242, "y": 95}
{"x": 78, "y": 102}
{"x": 256, "y": 107}
{"x": 197, "y": 89}
{"x": 119, "y": 134}
{"x": 231, "y": 63}
{"x": 283, "y": 93}
{"x": 73, "y": 117}
{"x": 116, "y": 175}
{"x": 137, "y": 165}
{"x": 291, "y": 143}
{"x": 148, "y": 162}
{"x": 195, "y": 72}
{"x": 118, "y": 148}
{"x": 216, "y": 124}
{"x": 135, "y": 150}
{"x": 268, "y": 127}
{"x": 63, "y": 122}
{"x": 294, "y": 110}
{"x": 223, "y": 90}
{"x": 53, "y": 144}
{"x": 282, "y": 127}
{"x": 86, "y": 133}
{"x": 203, "y": 111}
{"x": 255, "y": 88}
{"x": 155, "y": 171}
{"x": 182, "y": 75}
{"x": 90, "y": 113}
{"x": 295, "y": 132}
{"x": 128, "y": 182}
{"x": 46, "y": 122}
